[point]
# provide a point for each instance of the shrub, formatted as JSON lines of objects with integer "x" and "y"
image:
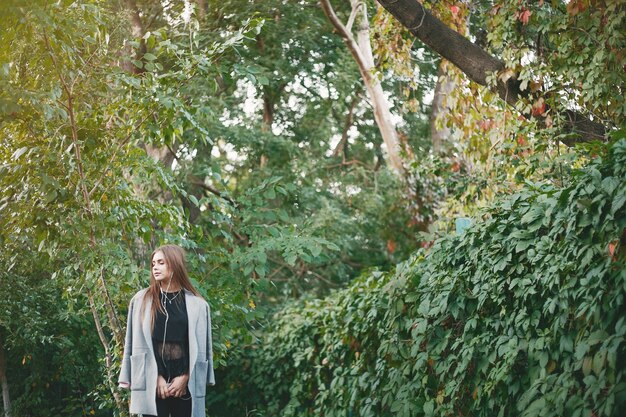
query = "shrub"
{"x": 523, "y": 315}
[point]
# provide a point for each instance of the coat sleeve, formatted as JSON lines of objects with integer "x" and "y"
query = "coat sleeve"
{"x": 124, "y": 378}
{"x": 209, "y": 348}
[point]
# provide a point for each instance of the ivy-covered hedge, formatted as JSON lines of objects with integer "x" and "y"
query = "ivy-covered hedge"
{"x": 523, "y": 315}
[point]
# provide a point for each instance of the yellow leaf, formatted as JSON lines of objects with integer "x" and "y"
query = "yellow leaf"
{"x": 506, "y": 74}
{"x": 440, "y": 397}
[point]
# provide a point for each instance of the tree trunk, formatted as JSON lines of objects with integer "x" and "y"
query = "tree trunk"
{"x": 361, "y": 50}
{"x": 201, "y": 8}
{"x": 138, "y": 31}
{"x": 478, "y": 64}
{"x": 6, "y": 399}
{"x": 443, "y": 88}
{"x": 162, "y": 154}
{"x": 107, "y": 355}
{"x": 342, "y": 146}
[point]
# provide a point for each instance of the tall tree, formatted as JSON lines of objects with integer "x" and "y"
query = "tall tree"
{"x": 361, "y": 50}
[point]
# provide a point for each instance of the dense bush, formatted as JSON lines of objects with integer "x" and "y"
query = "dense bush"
{"x": 524, "y": 314}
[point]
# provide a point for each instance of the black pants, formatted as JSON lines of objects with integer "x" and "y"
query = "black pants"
{"x": 174, "y": 407}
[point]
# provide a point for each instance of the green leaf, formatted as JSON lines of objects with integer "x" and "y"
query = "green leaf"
{"x": 270, "y": 194}
{"x": 21, "y": 151}
{"x": 260, "y": 270}
{"x": 429, "y": 408}
{"x": 51, "y": 196}
{"x": 618, "y": 202}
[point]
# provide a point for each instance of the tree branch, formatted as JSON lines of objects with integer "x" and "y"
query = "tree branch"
{"x": 115, "y": 154}
{"x": 478, "y": 64}
{"x": 215, "y": 191}
{"x": 361, "y": 51}
{"x": 347, "y": 36}
{"x": 342, "y": 145}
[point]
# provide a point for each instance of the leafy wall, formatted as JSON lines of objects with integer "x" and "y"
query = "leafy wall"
{"x": 523, "y": 315}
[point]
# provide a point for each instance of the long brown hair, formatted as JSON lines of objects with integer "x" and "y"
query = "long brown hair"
{"x": 175, "y": 259}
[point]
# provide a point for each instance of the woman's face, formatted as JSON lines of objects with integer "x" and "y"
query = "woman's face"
{"x": 160, "y": 269}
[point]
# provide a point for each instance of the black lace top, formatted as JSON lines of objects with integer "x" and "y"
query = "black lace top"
{"x": 170, "y": 337}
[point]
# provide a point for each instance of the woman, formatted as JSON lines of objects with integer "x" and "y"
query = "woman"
{"x": 168, "y": 354}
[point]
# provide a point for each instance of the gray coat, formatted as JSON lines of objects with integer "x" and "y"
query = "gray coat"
{"x": 139, "y": 367}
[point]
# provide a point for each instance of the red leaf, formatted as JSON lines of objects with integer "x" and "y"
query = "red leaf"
{"x": 486, "y": 124}
{"x": 454, "y": 9}
{"x": 524, "y": 16}
{"x": 576, "y": 6}
{"x": 612, "y": 247}
{"x": 391, "y": 246}
{"x": 539, "y": 107}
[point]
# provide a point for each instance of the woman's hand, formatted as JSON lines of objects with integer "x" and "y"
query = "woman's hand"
{"x": 178, "y": 386}
{"x": 162, "y": 388}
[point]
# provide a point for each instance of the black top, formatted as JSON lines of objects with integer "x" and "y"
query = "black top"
{"x": 170, "y": 337}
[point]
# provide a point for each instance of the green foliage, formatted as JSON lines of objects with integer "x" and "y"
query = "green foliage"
{"x": 51, "y": 350}
{"x": 79, "y": 210}
{"x": 87, "y": 113}
{"x": 218, "y": 131}
{"x": 295, "y": 216}
{"x": 563, "y": 56}
{"x": 571, "y": 51}
{"x": 523, "y": 314}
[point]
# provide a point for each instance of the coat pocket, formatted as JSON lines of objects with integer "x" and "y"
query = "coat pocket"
{"x": 202, "y": 367}
{"x": 138, "y": 372}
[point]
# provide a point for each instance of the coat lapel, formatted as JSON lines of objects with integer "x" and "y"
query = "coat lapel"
{"x": 192, "y": 319}
{"x": 146, "y": 322}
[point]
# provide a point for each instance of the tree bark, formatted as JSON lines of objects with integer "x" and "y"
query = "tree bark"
{"x": 361, "y": 50}
{"x": 478, "y": 64}
{"x": 162, "y": 154}
{"x": 6, "y": 399}
{"x": 201, "y": 8}
{"x": 443, "y": 88}
{"x": 342, "y": 146}
{"x": 137, "y": 29}
{"x": 268, "y": 119}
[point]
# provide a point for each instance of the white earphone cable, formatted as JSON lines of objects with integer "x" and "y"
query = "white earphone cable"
{"x": 167, "y": 317}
